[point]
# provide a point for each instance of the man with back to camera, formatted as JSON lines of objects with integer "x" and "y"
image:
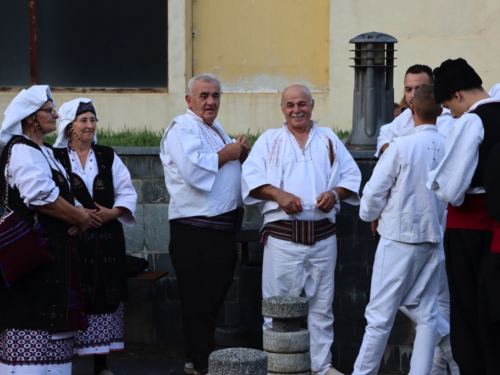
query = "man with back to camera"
{"x": 472, "y": 238}
{"x": 203, "y": 176}
{"x": 409, "y": 254}
{"x": 298, "y": 174}
{"x": 415, "y": 76}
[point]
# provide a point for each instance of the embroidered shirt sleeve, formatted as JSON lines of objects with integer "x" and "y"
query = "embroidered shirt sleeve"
{"x": 124, "y": 192}
{"x": 195, "y": 165}
{"x": 350, "y": 175}
{"x": 254, "y": 169}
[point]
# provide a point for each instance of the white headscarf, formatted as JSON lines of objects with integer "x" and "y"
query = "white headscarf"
{"x": 24, "y": 104}
{"x": 67, "y": 114}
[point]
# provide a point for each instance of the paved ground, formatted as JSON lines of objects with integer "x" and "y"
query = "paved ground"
{"x": 137, "y": 360}
{"x": 144, "y": 360}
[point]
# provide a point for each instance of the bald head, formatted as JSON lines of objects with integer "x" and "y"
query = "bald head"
{"x": 296, "y": 88}
{"x": 424, "y": 104}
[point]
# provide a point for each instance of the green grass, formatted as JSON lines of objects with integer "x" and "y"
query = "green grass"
{"x": 125, "y": 138}
{"x": 149, "y": 138}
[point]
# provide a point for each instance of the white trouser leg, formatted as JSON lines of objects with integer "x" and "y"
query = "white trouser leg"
{"x": 293, "y": 269}
{"x": 426, "y": 313}
{"x": 396, "y": 273}
{"x": 443, "y": 325}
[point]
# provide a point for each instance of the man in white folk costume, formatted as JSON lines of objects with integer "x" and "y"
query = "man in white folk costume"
{"x": 298, "y": 174}
{"x": 410, "y": 252}
{"x": 415, "y": 76}
{"x": 472, "y": 237}
{"x": 203, "y": 176}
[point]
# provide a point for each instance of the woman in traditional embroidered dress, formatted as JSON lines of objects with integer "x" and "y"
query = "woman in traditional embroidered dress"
{"x": 40, "y": 313}
{"x": 101, "y": 182}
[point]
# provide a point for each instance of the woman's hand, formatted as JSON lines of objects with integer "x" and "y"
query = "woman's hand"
{"x": 95, "y": 221}
{"x": 82, "y": 224}
{"x": 108, "y": 214}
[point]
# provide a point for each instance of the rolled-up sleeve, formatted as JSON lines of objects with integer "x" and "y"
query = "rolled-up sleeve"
{"x": 30, "y": 172}
{"x": 376, "y": 190}
{"x": 254, "y": 171}
{"x": 350, "y": 175}
{"x": 197, "y": 167}
{"x": 124, "y": 193}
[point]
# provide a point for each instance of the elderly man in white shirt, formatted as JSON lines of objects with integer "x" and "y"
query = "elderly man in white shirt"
{"x": 298, "y": 174}
{"x": 404, "y": 125}
{"x": 409, "y": 254}
{"x": 203, "y": 176}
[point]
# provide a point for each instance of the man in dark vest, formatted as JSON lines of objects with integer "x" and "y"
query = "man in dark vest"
{"x": 471, "y": 247}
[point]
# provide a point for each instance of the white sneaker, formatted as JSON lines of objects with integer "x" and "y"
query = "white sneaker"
{"x": 105, "y": 372}
{"x": 189, "y": 368}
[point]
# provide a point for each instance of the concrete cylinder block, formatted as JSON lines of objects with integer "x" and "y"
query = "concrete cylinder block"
{"x": 286, "y": 342}
{"x": 288, "y": 363}
{"x": 237, "y": 361}
{"x": 285, "y": 307}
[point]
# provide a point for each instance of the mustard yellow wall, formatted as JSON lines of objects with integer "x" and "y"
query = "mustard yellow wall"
{"x": 259, "y": 47}
{"x": 262, "y": 45}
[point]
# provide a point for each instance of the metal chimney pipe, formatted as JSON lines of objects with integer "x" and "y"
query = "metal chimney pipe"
{"x": 373, "y": 88}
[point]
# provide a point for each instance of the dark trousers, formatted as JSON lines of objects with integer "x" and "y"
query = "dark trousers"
{"x": 474, "y": 335}
{"x": 204, "y": 260}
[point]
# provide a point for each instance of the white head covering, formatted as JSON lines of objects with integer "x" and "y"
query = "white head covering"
{"x": 24, "y": 104}
{"x": 67, "y": 114}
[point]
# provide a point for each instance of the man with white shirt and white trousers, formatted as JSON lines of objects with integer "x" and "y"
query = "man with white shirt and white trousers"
{"x": 403, "y": 125}
{"x": 409, "y": 254}
{"x": 298, "y": 174}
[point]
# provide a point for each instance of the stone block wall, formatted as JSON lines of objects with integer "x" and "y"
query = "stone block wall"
{"x": 154, "y": 316}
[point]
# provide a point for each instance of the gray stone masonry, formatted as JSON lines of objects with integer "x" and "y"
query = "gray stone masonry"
{"x": 356, "y": 250}
{"x": 237, "y": 361}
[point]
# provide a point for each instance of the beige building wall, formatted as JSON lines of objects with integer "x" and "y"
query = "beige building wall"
{"x": 258, "y": 47}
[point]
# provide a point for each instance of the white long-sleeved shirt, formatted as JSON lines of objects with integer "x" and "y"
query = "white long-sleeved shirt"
{"x": 30, "y": 171}
{"x": 196, "y": 185}
{"x": 124, "y": 192}
{"x": 452, "y": 177}
{"x": 276, "y": 159}
{"x": 396, "y": 193}
{"x": 404, "y": 124}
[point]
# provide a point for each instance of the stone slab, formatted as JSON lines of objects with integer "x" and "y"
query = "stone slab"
{"x": 237, "y": 361}
{"x": 288, "y": 363}
{"x": 286, "y": 342}
{"x": 285, "y": 307}
{"x": 156, "y": 227}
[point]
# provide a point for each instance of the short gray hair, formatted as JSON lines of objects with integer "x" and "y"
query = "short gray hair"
{"x": 207, "y": 77}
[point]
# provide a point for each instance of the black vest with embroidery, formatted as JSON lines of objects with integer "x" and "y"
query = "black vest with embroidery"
{"x": 489, "y": 113}
{"x": 101, "y": 252}
{"x": 39, "y": 300}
